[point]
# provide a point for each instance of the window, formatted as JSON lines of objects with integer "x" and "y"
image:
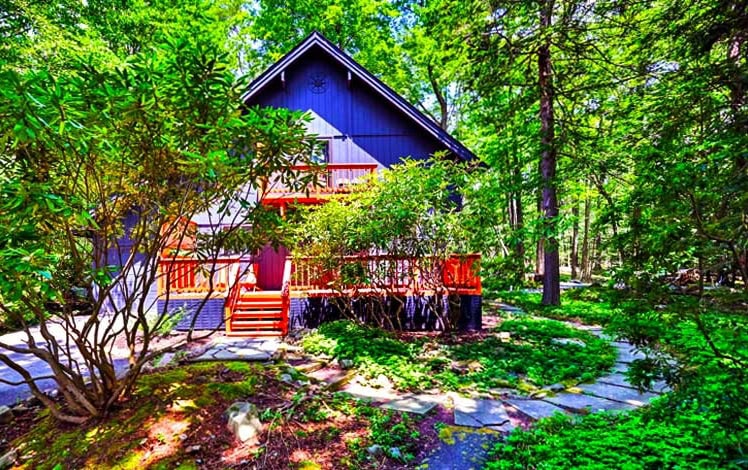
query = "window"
{"x": 321, "y": 151}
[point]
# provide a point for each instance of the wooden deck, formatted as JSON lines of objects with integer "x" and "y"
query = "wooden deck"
{"x": 253, "y": 312}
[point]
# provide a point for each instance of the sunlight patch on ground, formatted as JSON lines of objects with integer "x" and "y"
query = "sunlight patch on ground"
{"x": 164, "y": 438}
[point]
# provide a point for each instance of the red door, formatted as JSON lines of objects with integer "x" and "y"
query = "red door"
{"x": 270, "y": 267}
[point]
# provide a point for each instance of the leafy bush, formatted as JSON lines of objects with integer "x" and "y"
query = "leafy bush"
{"x": 702, "y": 424}
{"x": 689, "y": 438}
{"x": 373, "y": 351}
{"x": 391, "y": 429}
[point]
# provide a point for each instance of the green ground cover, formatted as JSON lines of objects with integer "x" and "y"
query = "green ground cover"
{"x": 175, "y": 420}
{"x": 699, "y": 344}
{"x": 521, "y": 352}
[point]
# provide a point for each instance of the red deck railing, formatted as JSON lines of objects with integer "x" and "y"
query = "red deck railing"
{"x": 286, "y": 294}
{"x": 332, "y": 178}
{"x": 193, "y": 276}
{"x": 389, "y": 273}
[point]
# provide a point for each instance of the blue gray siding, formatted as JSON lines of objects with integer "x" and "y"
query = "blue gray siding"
{"x": 372, "y": 127}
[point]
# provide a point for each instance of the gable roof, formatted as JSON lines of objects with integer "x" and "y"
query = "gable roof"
{"x": 337, "y": 54}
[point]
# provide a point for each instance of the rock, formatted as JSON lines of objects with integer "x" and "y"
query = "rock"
{"x": 289, "y": 347}
{"x": 567, "y": 341}
{"x": 621, "y": 394}
{"x": 375, "y": 450}
{"x": 505, "y": 336}
{"x": 345, "y": 363}
{"x": 193, "y": 449}
{"x": 244, "y": 421}
{"x": 555, "y": 388}
{"x": 382, "y": 382}
{"x": 8, "y": 459}
{"x": 6, "y": 415}
{"x": 395, "y": 453}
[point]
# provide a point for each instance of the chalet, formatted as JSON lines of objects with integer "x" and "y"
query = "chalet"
{"x": 364, "y": 127}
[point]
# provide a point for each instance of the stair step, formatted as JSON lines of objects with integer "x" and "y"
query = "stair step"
{"x": 259, "y": 305}
{"x": 254, "y": 334}
{"x": 260, "y": 296}
{"x": 256, "y": 315}
{"x": 267, "y": 311}
{"x": 253, "y": 324}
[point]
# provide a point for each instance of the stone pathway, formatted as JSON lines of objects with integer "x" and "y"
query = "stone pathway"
{"x": 479, "y": 423}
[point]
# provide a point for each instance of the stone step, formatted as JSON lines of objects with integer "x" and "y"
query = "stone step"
{"x": 479, "y": 413}
{"x": 419, "y": 404}
{"x": 626, "y": 395}
{"x": 535, "y": 409}
{"x": 582, "y": 403}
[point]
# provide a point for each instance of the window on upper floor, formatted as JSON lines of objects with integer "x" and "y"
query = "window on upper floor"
{"x": 322, "y": 151}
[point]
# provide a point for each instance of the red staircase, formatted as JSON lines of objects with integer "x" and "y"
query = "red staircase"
{"x": 258, "y": 313}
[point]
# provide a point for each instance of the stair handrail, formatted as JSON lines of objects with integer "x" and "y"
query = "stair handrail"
{"x": 286, "y": 294}
{"x": 232, "y": 297}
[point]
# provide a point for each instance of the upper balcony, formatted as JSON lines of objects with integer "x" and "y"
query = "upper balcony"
{"x": 332, "y": 178}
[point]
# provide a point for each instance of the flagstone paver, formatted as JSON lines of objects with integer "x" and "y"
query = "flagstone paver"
{"x": 418, "y": 404}
{"x": 617, "y": 378}
{"x": 535, "y": 409}
{"x": 581, "y": 403}
{"x": 622, "y": 394}
{"x": 611, "y": 392}
{"x": 478, "y": 413}
{"x": 627, "y": 352}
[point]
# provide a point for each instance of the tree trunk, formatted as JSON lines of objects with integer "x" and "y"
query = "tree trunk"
{"x": 516, "y": 219}
{"x": 737, "y": 93}
{"x": 551, "y": 277}
{"x": 613, "y": 218}
{"x": 440, "y": 98}
{"x": 586, "y": 266}
{"x": 597, "y": 264}
{"x": 574, "y": 259}
{"x": 539, "y": 250}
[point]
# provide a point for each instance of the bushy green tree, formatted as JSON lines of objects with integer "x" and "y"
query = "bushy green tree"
{"x": 160, "y": 138}
{"x": 411, "y": 211}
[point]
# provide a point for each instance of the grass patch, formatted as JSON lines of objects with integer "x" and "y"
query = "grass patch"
{"x": 591, "y": 305}
{"x": 529, "y": 350}
{"x": 145, "y": 432}
{"x": 175, "y": 410}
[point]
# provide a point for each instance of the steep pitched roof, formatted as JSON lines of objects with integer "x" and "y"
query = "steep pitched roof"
{"x": 318, "y": 40}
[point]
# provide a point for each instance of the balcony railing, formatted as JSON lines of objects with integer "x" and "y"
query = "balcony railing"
{"x": 332, "y": 178}
{"x": 387, "y": 273}
{"x": 177, "y": 275}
